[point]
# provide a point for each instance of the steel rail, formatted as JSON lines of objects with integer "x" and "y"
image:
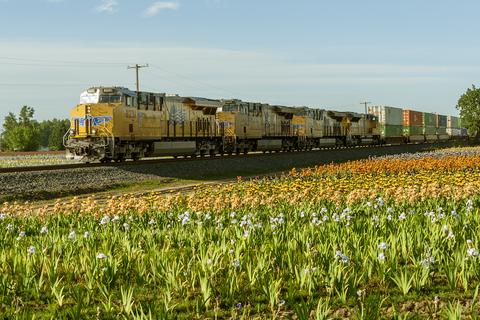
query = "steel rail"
{"x": 147, "y": 161}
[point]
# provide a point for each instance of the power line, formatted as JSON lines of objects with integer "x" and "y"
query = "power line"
{"x": 64, "y": 61}
{"x": 205, "y": 84}
{"x": 29, "y": 62}
{"x": 39, "y": 84}
{"x": 57, "y": 65}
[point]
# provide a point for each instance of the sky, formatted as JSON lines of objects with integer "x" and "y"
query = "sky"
{"x": 328, "y": 54}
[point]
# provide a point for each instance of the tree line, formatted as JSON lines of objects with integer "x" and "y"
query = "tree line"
{"x": 469, "y": 107}
{"x": 24, "y": 133}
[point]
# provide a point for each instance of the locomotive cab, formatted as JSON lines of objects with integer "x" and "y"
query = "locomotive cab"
{"x": 91, "y": 122}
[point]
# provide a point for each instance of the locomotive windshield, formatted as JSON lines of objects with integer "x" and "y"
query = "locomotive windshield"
{"x": 102, "y": 95}
{"x": 110, "y": 98}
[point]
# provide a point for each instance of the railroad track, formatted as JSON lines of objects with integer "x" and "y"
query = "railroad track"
{"x": 167, "y": 160}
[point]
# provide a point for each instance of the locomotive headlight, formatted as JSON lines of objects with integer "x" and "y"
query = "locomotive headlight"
{"x": 72, "y": 131}
{"x": 94, "y": 131}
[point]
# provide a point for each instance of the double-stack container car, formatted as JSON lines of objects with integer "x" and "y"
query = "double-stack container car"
{"x": 453, "y": 126}
{"x": 442, "y": 127}
{"x": 430, "y": 126}
{"x": 390, "y": 120}
{"x": 413, "y": 126}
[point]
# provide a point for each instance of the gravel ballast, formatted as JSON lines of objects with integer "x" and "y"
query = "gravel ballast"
{"x": 50, "y": 184}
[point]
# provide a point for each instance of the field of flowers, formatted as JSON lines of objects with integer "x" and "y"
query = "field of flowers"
{"x": 391, "y": 237}
{"x": 12, "y": 160}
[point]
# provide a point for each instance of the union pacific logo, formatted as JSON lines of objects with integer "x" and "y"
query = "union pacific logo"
{"x": 96, "y": 121}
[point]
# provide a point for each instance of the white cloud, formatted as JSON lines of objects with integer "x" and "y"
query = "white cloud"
{"x": 108, "y": 6}
{"x": 161, "y": 5}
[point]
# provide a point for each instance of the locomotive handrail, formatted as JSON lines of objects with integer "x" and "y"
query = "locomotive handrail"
{"x": 112, "y": 137}
{"x": 66, "y": 137}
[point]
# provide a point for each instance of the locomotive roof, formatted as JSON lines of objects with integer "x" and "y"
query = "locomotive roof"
{"x": 117, "y": 90}
{"x": 202, "y": 102}
{"x": 306, "y": 110}
{"x": 339, "y": 115}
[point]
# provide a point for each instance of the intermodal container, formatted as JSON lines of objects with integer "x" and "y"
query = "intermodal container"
{"x": 412, "y": 130}
{"x": 387, "y": 115}
{"x": 452, "y": 122}
{"x": 412, "y": 118}
{"x": 429, "y": 130}
{"x": 389, "y": 131}
{"x": 441, "y": 121}
{"x": 442, "y": 130}
{"x": 454, "y": 132}
{"x": 429, "y": 119}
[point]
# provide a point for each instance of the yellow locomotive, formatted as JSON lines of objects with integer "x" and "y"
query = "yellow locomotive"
{"x": 115, "y": 123}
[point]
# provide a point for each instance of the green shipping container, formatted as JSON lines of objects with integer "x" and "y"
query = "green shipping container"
{"x": 391, "y": 130}
{"x": 429, "y": 119}
{"x": 430, "y": 130}
{"x": 412, "y": 130}
{"x": 460, "y": 125}
{"x": 442, "y": 130}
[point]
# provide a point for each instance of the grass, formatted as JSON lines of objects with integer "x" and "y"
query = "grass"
{"x": 195, "y": 265}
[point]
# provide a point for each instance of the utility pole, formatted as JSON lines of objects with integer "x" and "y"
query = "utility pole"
{"x": 365, "y": 122}
{"x": 138, "y": 67}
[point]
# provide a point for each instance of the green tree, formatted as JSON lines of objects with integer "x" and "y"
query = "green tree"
{"x": 21, "y": 134}
{"x": 45, "y": 131}
{"x": 57, "y": 131}
{"x": 469, "y": 106}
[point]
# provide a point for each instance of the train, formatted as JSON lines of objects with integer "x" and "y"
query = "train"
{"x": 116, "y": 124}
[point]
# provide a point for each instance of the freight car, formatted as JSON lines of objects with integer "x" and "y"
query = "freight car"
{"x": 115, "y": 123}
{"x": 410, "y": 126}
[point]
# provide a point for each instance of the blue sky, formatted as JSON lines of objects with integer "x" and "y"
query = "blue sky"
{"x": 328, "y": 54}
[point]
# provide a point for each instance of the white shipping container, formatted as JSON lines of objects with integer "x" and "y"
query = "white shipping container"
{"x": 452, "y": 122}
{"x": 454, "y": 132}
{"x": 387, "y": 115}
